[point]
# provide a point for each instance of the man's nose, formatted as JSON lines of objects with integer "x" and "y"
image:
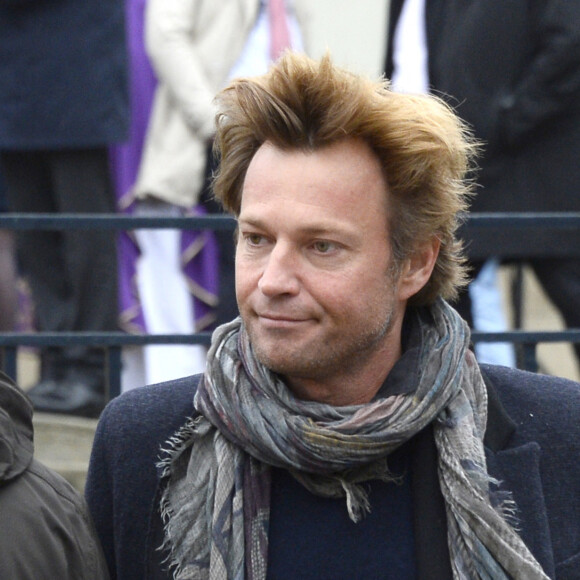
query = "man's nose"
{"x": 280, "y": 275}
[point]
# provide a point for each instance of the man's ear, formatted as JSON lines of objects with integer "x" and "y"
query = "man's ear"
{"x": 417, "y": 269}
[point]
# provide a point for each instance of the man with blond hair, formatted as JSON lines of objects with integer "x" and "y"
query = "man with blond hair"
{"x": 343, "y": 428}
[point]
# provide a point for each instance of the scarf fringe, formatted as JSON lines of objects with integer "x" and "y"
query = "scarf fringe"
{"x": 179, "y": 442}
{"x": 357, "y": 501}
{"x": 176, "y": 444}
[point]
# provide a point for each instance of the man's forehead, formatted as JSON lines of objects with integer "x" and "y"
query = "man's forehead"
{"x": 348, "y": 159}
{"x": 337, "y": 179}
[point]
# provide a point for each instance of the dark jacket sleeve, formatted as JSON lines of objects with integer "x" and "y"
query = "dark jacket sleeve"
{"x": 123, "y": 477}
{"x": 549, "y": 85}
{"x": 393, "y": 13}
{"x": 99, "y": 494}
{"x": 546, "y": 411}
{"x": 46, "y": 530}
{"x": 508, "y": 67}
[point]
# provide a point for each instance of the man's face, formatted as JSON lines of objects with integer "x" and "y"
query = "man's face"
{"x": 314, "y": 277}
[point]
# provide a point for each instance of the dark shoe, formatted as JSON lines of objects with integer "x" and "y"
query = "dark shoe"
{"x": 74, "y": 395}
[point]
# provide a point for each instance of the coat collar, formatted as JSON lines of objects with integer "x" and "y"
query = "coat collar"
{"x": 430, "y": 519}
{"x": 517, "y": 470}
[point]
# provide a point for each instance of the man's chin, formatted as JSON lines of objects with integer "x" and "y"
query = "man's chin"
{"x": 290, "y": 362}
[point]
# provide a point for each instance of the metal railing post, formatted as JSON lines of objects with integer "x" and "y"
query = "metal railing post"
{"x": 8, "y": 361}
{"x": 114, "y": 368}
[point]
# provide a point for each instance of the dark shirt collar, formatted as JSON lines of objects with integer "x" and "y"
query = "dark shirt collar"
{"x": 404, "y": 375}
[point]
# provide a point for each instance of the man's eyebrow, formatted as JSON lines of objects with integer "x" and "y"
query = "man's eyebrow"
{"x": 319, "y": 229}
{"x": 252, "y": 221}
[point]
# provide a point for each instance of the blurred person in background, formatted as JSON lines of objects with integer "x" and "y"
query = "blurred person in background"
{"x": 185, "y": 280}
{"x": 63, "y": 101}
{"x": 409, "y": 73}
{"x": 125, "y": 158}
{"x": 512, "y": 71}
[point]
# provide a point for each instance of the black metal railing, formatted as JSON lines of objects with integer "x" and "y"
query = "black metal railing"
{"x": 517, "y": 236}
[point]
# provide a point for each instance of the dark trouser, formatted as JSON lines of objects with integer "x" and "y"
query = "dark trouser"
{"x": 227, "y": 305}
{"x": 72, "y": 273}
{"x": 8, "y": 292}
{"x": 560, "y": 279}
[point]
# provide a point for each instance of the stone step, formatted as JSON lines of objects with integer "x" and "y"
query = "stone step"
{"x": 64, "y": 444}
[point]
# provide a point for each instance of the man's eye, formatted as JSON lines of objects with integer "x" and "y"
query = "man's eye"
{"x": 323, "y": 247}
{"x": 254, "y": 239}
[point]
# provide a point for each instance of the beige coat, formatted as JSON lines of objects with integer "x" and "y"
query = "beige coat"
{"x": 193, "y": 46}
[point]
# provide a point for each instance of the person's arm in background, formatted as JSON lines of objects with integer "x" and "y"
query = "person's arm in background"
{"x": 170, "y": 30}
{"x": 550, "y": 83}
{"x": 193, "y": 45}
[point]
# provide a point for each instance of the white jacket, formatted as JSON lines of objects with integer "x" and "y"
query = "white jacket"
{"x": 193, "y": 45}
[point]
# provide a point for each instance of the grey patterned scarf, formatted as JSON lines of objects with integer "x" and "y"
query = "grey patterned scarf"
{"x": 216, "y": 502}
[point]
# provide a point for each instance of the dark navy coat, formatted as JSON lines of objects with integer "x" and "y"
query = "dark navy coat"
{"x": 63, "y": 74}
{"x": 532, "y": 445}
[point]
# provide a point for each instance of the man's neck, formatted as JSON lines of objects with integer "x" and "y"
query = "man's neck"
{"x": 355, "y": 386}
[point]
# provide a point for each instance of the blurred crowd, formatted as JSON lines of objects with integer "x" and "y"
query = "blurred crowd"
{"x": 107, "y": 107}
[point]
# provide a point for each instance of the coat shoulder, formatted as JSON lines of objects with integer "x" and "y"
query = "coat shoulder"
{"x": 134, "y": 427}
{"x": 544, "y": 406}
{"x": 123, "y": 476}
{"x": 536, "y": 463}
{"x": 138, "y": 422}
{"x": 137, "y": 407}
